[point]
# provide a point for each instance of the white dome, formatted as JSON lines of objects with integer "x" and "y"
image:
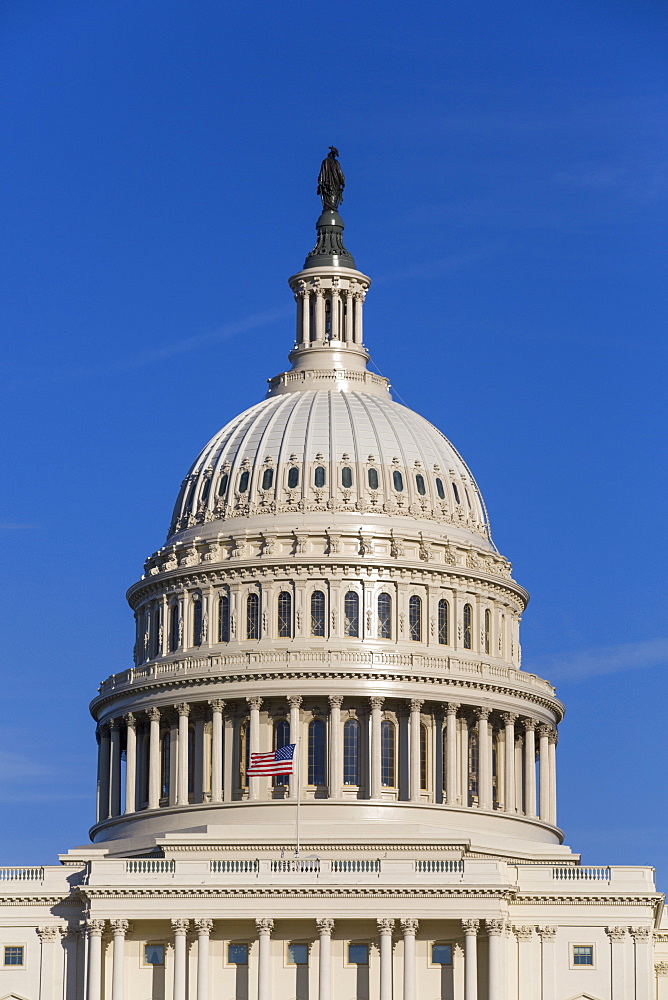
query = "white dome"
{"x": 326, "y": 449}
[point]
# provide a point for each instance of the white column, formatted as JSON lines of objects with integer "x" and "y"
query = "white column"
{"x": 265, "y": 926}
{"x": 451, "y": 754}
{"x": 325, "y": 927}
{"x": 359, "y": 300}
{"x": 661, "y": 973}
{"x": 319, "y": 316}
{"x": 217, "y": 707}
{"x": 376, "y": 709}
{"x": 509, "y": 720}
{"x": 409, "y": 927}
{"x": 519, "y": 777}
{"x": 552, "y": 752}
{"x": 529, "y": 767}
{"x": 335, "y": 768}
{"x": 119, "y": 929}
{"x": 524, "y": 937}
{"x": 95, "y": 929}
{"x": 496, "y": 935}
{"x": 306, "y": 316}
{"x": 335, "y": 314}
{"x": 180, "y": 927}
{"x": 130, "y": 763}
{"x": 544, "y": 772}
{"x": 414, "y": 757}
{"x": 470, "y": 928}
{"x": 154, "y": 758}
{"x": 48, "y": 937}
{"x": 254, "y": 705}
{"x": 385, "y": 927}
{"x": 617, "y": 937}
{"x": 643, "y": 963}
{"x": 484, "y": 760}
{"x": 103, "y": 771}
{"x": 204, "y": 926}
{"x": 295, "y": 701}
{"x": 547, "y": 961}
{"x": 115, "y": 794}
{"x": 348, "y": 328}
{"x": 183, "y": 710}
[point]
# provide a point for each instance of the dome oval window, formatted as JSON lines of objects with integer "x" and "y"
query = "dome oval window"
{"x": 398, "y": 481}
{"x": 456, "y": 492}
{"x": 243, "y": 481}
{"x": 222, "y": 486}
{"x": 440, "y": 489}
{"x": 419, "y": 483}
{"x": 191, "y": 496}
{"x": 468, "y": 498}
{"x": 205, "y": 491}
{"x": 293, "y": 478}
{"x": 319, "y": 476}
{"x": 346, "y": 477}
{"x": 267, "y": 479}
{"x": 372, "y": 476}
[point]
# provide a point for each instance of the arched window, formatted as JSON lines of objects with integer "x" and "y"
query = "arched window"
{"x": 420, "y": 486}
{"x": 317, "y": 613}
{"x": 191, "y": 496}
{"x": 456, "y": 492}
{"x": 174, "y": 622}
{"x": 372, "y": 477}
{"x": 398, "y": 481}
{"x": 244, "y": 753}
{"x": 351, "y": 614}
{"x": 468, "y": 626}
{"x": 319, "y": 476}
{"x": 222, "y": 485}
{"x": 384, "y": 616}
{"x": 155, "y": 633}
{"x": 253, "y": 616}
{"x": 387, "y": 754}
{"x": 281, "y": 739}
{"x": 440, "y": 489}
{"x": 165, "y": 765}
{"x": 191, "y": 760}
{"x": 243, "y": 481}
{"x": 316, "y": 752}
{"x": 415, "y": 619}
{"x": 223, "y": 618}
{"x": 293, "y": 477}
{"x": 346, "y": 477}
{"x": 473, "y": 765}
{"x": 351, "y": 752}
{"x": 284, "y": 615}
{"x": 443, "y": 623}
{"x": 267, "y": 479}
{"x": 488, "y": 630}
{"x": 424, "y": 757}
{"x": 197, "y": 621}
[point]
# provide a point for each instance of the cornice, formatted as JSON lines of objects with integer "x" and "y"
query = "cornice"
{"x": 276, "y": 848}
{"x": 39, "y": 900}
{"x": 585, "y": 899}
{"x": 93, "y": 894}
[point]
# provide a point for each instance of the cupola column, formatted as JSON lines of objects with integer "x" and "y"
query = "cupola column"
{"x": 552, "y": 752}
{"x": 529, "y": 767}
{"x": 335, "y": 769}
{"x": 359, "y": 313}
{"x": 319, "y": 316}
{"x": 130, "y": 763}
{"x": 295, "y": 701}
{"x": 183, "y": 710}
{"x": 544, "y": 772}
{"x": 103, "y": 766}
{"x": 470, "y": 928}
{"x": 509, "y": 720}
{"x": 154, "y": 758}
{"x": 375, "y": 768}
{"x": 305, "y": 316}
{"x": 451, "y": 754}
{"x": 217, "y": 707}
{"x": 414, "y": 784}
{"x": 485, "y": 759}
{"x": 254, "y": 705}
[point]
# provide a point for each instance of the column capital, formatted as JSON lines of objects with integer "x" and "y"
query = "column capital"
{"x": 523, "y": 933}
{"x": 553, "y": 736}
{"x": 295, "y": 700}
{"x": 529, "y": 724}
{"x": 114, "y": 725}
{"x": 51, "y": 933}
{"x": 481, "y": 714}
{"x": 641, "y": 933}
{"x": 547, "y": 933}
{"x": 544, "y": 731}
{"x": 416, "y": 704}
{"x": 509, "y": 718}
{"x": 265, "y": 925}
{"x": 180, "y": 925}
{"x": 495, "y": 927}
{"x": 409, "y": 925}
{"x": 385, "y": 925}
{"x": 470, "y": 927}
{"x": 376, "y": 703}
{"x": 452, "y": 707}
{"x": 335, "y": 700}
{"x": 204, "y": 925}
{"x": 325, "y": 925}
{"x": 616, "y": 933}
{"x": 216, "y": 704}
{"x": 130, "y": 720}
{"x": 183, "y": 708}
{"x": 95, "y": 928}
{"x": 254, "y": 702}
{"x": 119, "y": 927}
{"x": 153, "y": 714}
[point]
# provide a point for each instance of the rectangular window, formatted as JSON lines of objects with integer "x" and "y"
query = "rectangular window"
{"x": 358, "y": 954}
{"x": 441, "y": 954}
{"x": 583, "y": 954}
{"x": 237, "y": 954}
{"x": 154, "y": 954}
{"x": 297, "y": 954}
{"x": 14, "y": 954}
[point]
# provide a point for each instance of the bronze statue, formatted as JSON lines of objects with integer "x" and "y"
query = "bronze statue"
{"x": 331, "y": 181}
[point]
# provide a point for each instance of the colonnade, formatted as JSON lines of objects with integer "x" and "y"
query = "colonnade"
{"x": 325, "y": 314}
{"x": 453, "y": 754}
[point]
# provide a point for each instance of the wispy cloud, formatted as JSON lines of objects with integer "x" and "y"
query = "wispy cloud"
{"x": 580, "y": 665}
{"x": 17, "y": 526}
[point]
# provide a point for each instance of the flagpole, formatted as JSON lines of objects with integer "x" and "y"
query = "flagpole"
{"x": 299, "y": 795}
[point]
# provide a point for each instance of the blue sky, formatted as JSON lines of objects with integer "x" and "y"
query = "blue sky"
{"x": 507, "y": 169}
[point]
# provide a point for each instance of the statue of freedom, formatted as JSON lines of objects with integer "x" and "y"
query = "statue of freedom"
{"x": 331, "y": 181}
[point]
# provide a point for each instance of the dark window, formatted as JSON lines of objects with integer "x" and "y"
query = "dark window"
{"x": 222, "y": 485}
{"x": 473, "y": 765}
{"x": 243, "y": 481}
{"x": 358, "y": 954}
{"x": 267, "y": 479}
{"x": 440, "y": 489}
{"x": 398, "y": 481}
{"x": 424, "y": 734}
{"x": 384, "y": 616}
{"x": 456, "y": 492}
{"x": 441, "y": 954}
{"x": 372, "y": 476}
{"x": 244, "y": 753}
{"x": 415, "y": 619}
{"x": 316, "y": 752}
{"x": 191, "y": 760}
{"x": 284, "y": 614}
{"x": 351, "y": 614}
{"x": 281, "y": 739}
{"x": 419, "y": 483}
{"x": 155, "y": 632}
{"x": 191, "y": 496}
{"x": 319, "y": 476}
{"x": 205, "y": 492}
{"x": 468, "y": 626}
{"x": 468, "y": 498}
{"x": 346, "y": 477}
{"x": 224, "y": 618}
{"x": 252, "y": 616}
{"x": 293, "y": 477}
{"x": 237, "y": 954}
{"x": 328, "y": 319}
{"x": 297, "y": 954}
{"x": 488, "y": 629}
{"x": 197, "y": 622}
{"x": 387, "y": 754}
{"x": 317, "y": 613}
{"x": 583, "y": 954}
{"x": 165, "y": 765}
{"x": 13, "y": 954}
{"x": 443, "y": 623}
{"x": 174, "y": 628}
{"x": 154, "y": 954}
{"x": 351, "y": 752}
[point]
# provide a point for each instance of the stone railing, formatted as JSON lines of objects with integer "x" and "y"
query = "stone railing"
{"x": 31, "y": 874}
{"x": 150, "y": 866}
{"x": 569, "y": 873}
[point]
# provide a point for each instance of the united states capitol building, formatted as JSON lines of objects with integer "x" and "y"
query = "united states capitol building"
{"x": 329, "y": 579}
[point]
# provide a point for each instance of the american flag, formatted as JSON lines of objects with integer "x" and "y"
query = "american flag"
{"x": 279, "y": 762}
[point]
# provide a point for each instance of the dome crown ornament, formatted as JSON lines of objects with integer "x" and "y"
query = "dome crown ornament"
{"x": 329, "y": 249}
